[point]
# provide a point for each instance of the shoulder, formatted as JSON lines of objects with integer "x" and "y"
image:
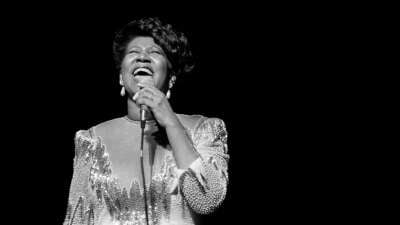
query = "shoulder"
{"x": 92, "y": 136}
{"x": 196, "y": 122}
{"x": 84, "y": 141}
{"x": 205, "y": 129}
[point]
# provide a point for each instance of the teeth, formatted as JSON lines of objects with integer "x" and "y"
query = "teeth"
{"x": 145, "y": 70}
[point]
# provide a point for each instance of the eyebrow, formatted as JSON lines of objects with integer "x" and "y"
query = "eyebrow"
{"x": 136, "y": 47}
{"x": 153, "y": 46}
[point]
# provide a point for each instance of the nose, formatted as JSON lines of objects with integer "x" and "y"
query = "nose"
{"x": 143, "y": 58}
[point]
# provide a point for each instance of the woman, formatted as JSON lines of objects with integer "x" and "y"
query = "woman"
{"x": 184, "y": 157}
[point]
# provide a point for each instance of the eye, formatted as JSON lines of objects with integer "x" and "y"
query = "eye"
{"x": 156, "y": 52}
{"x": 134, "y": 51}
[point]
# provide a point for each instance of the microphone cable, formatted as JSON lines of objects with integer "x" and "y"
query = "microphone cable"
{"x": 142, "y": 126}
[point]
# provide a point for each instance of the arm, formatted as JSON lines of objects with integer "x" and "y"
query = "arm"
{"x": 81, "y": 198}
{"x": 202, "y": 161}
{"x": 204, "y": 184}
{"x": 183, "y": 149}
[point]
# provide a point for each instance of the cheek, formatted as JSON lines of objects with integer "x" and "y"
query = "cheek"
{"x": 162, "y": 69}
{"x": 124, "y": 65}
{"x": 162, "y": 63}
{"x": 126, "y": 61}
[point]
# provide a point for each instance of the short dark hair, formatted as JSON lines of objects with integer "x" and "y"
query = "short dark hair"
{"x": 174, "y": 43}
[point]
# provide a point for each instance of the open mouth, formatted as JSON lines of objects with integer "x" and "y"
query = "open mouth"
{"x": 142, "y": 71}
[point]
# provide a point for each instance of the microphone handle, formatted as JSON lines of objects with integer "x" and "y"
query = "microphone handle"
{"x": 142, "y": 116}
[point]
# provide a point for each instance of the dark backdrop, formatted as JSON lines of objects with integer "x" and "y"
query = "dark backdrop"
{"x": 258, "y": 68}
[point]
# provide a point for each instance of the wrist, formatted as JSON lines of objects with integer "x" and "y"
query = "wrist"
{"x": 173, "y": 123}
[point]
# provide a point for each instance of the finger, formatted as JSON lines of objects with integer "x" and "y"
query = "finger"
{"x": 135, "y": 96}
{"x": 144, "y": 90}
{"x": 156, "y": 100}
{"x": 151, "y": 87}
{"x": 144, "y": 100}
{"x": 154, "y": 91}
{"x": 150, "y": 95}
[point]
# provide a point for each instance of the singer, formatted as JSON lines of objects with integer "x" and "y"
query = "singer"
{"x": 185, "y": 158}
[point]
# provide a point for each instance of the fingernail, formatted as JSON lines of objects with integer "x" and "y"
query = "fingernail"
{"x": 135, "y": 96}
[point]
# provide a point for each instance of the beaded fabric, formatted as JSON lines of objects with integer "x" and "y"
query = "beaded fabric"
{"x": 174, "y": 195}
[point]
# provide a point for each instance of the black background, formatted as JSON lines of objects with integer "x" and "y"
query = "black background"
{"x": 265, "y": 70}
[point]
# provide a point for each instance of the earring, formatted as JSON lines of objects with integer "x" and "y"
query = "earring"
{"x": 168, "y": 95}
{"x": 122, "y": 91}
{"x": 172, "y": 82}
{"x": 170, "y": 85}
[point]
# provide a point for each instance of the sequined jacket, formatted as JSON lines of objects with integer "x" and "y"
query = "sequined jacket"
{"x": 174, "y": 196}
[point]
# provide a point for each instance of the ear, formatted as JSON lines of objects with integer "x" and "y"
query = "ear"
{"x": 169, "y": 64}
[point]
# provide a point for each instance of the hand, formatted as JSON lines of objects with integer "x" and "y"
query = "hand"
{"x": 157, "y": 102}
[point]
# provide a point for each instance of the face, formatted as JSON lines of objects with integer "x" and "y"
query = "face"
{"x": 143, "y": 59}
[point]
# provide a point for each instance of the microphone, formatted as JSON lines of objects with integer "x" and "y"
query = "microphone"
{"x": 143, "y": 109}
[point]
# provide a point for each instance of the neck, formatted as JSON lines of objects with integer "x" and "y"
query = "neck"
{"x": 134, "y": 111}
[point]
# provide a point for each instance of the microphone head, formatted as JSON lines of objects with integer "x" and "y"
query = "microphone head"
{"x": 143, "y": 110}
{"x": 144, "y": 107}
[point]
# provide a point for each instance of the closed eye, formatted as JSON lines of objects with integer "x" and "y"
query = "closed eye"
{"x": 156, "y": 52}
{"x": 134, "y": 51}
